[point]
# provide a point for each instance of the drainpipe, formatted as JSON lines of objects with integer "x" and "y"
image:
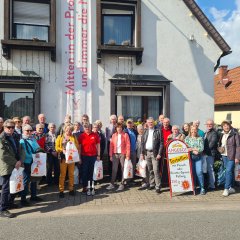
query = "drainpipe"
{"x": 219, "y": 60}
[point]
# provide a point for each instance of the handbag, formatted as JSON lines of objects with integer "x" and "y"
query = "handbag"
{"x": 221, "y": 149}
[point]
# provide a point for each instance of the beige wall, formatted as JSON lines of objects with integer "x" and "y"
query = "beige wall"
{"x": 219, "y": 116}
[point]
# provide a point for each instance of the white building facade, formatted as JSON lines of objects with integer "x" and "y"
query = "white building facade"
{"x": 103, "y": 57}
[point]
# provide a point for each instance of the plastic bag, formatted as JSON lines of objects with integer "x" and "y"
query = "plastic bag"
{"x": 221, "y": 175}
{"x": 204, "y": 164}
{"x": 98, "y": 170}
{"x": 76, "y": 175}
{"x": 237, "y": 172}
{"x": 128, "y": 169}
{"x": 71, "y": 153}
{"x": 38, "y": 168}
{"x": 16, "y": 181}
{"x": 141, "y": 168}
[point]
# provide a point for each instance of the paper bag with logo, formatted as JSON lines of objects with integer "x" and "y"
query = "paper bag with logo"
{"x": 71, "y": 153}
{"x": 141, "y": 168}
{"x": 128, "y": 169}
{"x": 38, "y": 168}
{"x": 98, "y": 170}
{"x": 16, "y": 181}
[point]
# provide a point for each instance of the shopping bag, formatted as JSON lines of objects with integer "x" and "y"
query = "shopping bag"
{"x": 76, "y": 175}
{"x": 237, "y": 172}
{"x": 98, "y": 170}
{"x": 38, "y": 167}
{"x": 128, "y": 169}
{"x": 141, "y": 168}
{"x": 71, "y": 153}
{"x": 204, "y": 163}
{"x": 16, "y": 181}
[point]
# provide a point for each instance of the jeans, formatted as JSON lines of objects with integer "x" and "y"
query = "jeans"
{"x": 52, "y": 163}
{"x": 26, "y": 181}
{"x": 5, "y": 199}
{"x": 229, "y": 165}
{"x": 210, "y": 171}
{"x": 197, "y": 170}
{"x": 87, "y": 169}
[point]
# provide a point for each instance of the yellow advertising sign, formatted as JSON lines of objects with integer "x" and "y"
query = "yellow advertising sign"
{"x": 178, "y": 159}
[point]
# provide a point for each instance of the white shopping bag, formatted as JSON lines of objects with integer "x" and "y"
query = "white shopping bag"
{"x": 98, "y": 170}
{"x": 16, "y": 181}
{"x": 39, "y": 168}
{"x": 71, "y": 153}
{"x": 237, "y": 172}
{"x": 141, "y": 168}
{"x": 128, "y": 169}
{"x": 204, "y": 163}
{"x": 76, "y": 175}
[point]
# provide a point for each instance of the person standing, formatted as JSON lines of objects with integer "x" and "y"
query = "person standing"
{"x": 152, "y": 151}
{"x": 196, "y": 124}
{"x": 195, "y": 147}
{"x": 176, "y": 134}
{"x": 42, "y": 120}
{"x": 119, "y": 151}
{"x": 61, "y": 143}
{"x": 52, "y": 155}
{"x": 89, "y": 144}
{"x": 1, "y": 125}
{"x": 101, "y": 135}
{"x": 230, "y": 144}
{"x": 210, "y": 151}
{"x": 160, "y": 121}
{"x": 11, "y": 156}
{"x": 132, "y": 133}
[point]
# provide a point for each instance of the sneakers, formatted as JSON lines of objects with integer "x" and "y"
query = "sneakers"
{"x": 231, "y": 190}
{"x": 158, "y": 191}
{"x": 143, "y": 186}
{"x": 120, "y": 188}
{"x": 7, "y": 214}
{"x": 61, "y": 195}
{"x": 225, "y": 193}
{"x": 110, "y": 187}
{"x": 89, "y": 192}
{"x": 36, "y": 199}
{"x": 202, "y": 191}
{"x": 93, "y": 192}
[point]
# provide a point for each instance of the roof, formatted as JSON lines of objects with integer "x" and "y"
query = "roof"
{"x": 231, "y": 94}
{"x": 208, "y": 26}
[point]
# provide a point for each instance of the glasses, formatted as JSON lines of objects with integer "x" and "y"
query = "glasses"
{"x": 40, "y": 128}
{"x": 10, "y": 127}
{"x": 28, "y": 130}
{"x": 17, "y": 121}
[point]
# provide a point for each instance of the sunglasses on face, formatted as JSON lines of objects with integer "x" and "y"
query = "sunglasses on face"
{"x": 10, "y": 127}
{"x": 28, "y": 130}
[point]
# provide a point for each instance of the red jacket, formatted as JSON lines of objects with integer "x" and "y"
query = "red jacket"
{"x": 125, "y": 144}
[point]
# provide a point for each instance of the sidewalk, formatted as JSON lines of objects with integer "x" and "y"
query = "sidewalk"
{"x": 130, "y": 200}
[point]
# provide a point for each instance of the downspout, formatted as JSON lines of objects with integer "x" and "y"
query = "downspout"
{"x": 219, "y": 59}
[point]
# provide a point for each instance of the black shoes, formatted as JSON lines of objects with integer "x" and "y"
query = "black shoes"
{"x": 13, "y": 206}
{"x": 158, "y": 191}
{"x": 7, "y": 214}
{"x": 61, "y": 194}
{"x": 72, "y": 193}
{"x": 25, "y": 203}
{"x": 151, "y": 187}
{"x": 36, "y": 199}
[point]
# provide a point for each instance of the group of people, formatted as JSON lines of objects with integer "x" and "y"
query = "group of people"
{"x": 122, "y": 140}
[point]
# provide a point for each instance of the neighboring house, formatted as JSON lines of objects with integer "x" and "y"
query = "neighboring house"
{"x": 131, "y": 57}
{"x": 227, "y": 95}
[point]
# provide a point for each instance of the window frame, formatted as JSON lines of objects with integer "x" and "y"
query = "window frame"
{"x": 8, "y": 43}
{"x": 137, "y": 49}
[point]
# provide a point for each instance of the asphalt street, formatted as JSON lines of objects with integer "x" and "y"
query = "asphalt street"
{"x": 205, "y": 225}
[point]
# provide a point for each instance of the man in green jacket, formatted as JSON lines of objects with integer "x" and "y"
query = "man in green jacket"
{"x": 10, "y": 157}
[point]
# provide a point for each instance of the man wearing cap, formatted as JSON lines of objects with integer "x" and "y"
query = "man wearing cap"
{"x": 11, "y": 155}
{"x": 132, "y": 133}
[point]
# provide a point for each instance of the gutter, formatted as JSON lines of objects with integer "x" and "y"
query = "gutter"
{"x": 219, "y": 59}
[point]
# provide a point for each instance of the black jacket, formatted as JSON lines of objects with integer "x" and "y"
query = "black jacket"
{"x": 211, "y": 143}
{"x": 157, "y": 142}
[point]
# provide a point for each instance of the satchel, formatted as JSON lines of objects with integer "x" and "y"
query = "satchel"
{"x": 221, "y": 149}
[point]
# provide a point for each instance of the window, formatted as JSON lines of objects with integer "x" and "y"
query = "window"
{"x": 119, "y": 28}
{"x": 31, "y": 20}
{"x": 30, "y": 25}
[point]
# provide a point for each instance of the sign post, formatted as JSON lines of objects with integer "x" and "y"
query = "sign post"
{"x": 179, "y": 167}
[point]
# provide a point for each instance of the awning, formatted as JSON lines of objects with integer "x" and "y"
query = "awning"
{"x": 6, "y": 75}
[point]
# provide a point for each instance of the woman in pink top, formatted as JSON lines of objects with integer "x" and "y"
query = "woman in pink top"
{"x": 119, "y": 151}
